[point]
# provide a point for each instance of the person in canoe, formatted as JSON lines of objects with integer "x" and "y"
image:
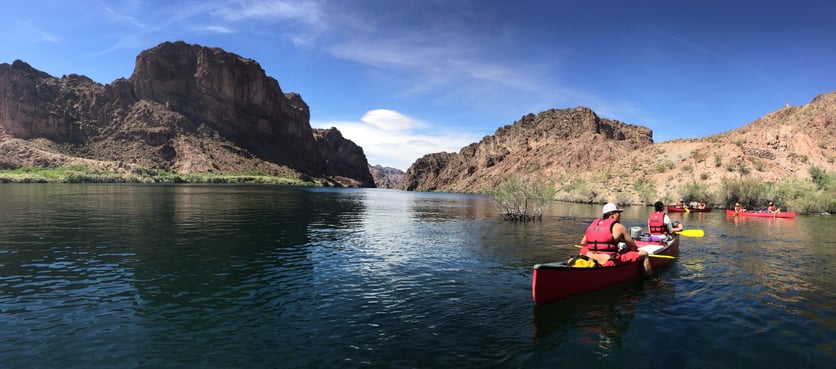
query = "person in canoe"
{"x": 772, "y": 209}
{"x": 681, "y": 204}
{"x": 659, "y": 223}
{"x": 738, "y": 208}
{"x": 602, "y": 239}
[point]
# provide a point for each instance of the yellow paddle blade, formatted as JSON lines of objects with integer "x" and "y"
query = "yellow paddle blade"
{"x": 687, "y": 210}
{"x": 692, "y": 232}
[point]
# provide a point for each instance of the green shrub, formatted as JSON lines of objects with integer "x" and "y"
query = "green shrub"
{"x": 522, "y": 199}
{"x": 645, "y": 190}
{"x": 819, "y": 176}
{"x": 747, "y": 191}
{"x": 694, "y": 190}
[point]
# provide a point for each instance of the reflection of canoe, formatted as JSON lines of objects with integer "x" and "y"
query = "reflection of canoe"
{"x": 554, "y": 281}
{"x": 674, "y": 209}
{"x": 783, "y": 214}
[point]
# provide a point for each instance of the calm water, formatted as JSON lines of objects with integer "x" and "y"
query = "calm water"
{"x": 154, "y": 276}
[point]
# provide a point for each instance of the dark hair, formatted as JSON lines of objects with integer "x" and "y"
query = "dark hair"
{"x": 659, "y": 206}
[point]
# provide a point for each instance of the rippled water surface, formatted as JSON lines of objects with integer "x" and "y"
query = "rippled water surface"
{"x": 156, "y": 276}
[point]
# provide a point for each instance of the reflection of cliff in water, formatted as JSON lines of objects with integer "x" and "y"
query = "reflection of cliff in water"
{"x": 200, "y": 243}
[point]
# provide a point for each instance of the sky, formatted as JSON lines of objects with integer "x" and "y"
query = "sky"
{"x": 406, "y": 78}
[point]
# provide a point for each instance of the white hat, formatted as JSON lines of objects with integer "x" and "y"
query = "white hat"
{"x": 610, "y": 207}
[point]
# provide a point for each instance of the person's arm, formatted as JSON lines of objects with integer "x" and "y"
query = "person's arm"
{"x": 619, "y": 232}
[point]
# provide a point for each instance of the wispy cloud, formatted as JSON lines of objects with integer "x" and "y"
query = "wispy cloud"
{"x": 28, "y": 32}
{"x": 217, "y": 29}
{"x": 120, "y": 17}
{"x": 433, "y": 63}
{"x": 305, "y": 11}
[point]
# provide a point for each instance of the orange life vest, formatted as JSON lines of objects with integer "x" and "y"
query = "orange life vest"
{"x": 599, "y": 236}
{"x": 656, "y": 223}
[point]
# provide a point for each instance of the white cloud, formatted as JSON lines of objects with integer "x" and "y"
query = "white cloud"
{"x": 395, "y": 140}
{"x": 218, "y": 29}
{"x": 390, "y": 120}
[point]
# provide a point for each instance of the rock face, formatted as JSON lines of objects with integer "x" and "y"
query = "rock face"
{"x": 550, "y": 143}
{"x": 34, "y": 104}
{"x": 341, "y": 157}
{"x": 386, "y": 177}
{"x": 605, "y": 160}
{"x": 186, "y": 108}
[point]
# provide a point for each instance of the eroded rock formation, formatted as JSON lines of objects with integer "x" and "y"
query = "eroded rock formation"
{"x": 551, "y": 142}
{"x": 186, "y": 108}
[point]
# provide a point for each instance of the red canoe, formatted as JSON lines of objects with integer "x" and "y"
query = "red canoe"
{"x": 674, "y": 209}
{"x": 554, "y": 281}
{"x": 782, "y": 214}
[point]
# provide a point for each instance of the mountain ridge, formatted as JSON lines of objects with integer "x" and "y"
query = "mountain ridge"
{"x": 186, "y": 109}
{"x": 593, "y": 159}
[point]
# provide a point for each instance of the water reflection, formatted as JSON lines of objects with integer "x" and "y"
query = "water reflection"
{"x": 597, "y": 320}
{"x": 248, "y": 276}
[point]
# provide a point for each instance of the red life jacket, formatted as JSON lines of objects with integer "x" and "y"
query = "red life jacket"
{"x": 656, "y": 223}
{"x": 599, "y": 236}
{"x": 772, "y": 208}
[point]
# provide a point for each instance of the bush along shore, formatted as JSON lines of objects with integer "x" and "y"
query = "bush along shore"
{"x": 520, "y": 198}
{"x": 83, "y": 174}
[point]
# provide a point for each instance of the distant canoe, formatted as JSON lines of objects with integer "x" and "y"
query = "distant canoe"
{"x": 675, "y": 209}
{"x": 783, "y": 214}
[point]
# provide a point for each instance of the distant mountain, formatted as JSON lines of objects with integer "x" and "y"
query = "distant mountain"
{"x": 597, "y": 159}
{"x": 386, "y": 177}
{"x": 186, "y": 109}
{"x": 550, "y": 144}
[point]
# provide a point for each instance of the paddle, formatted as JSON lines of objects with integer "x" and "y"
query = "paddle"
{"x": 661, "y": 256}
{"x": 650, "y": 255}
{"x": 692, "y": 232}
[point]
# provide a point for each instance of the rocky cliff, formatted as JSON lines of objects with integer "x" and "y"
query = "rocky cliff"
{"x": 779, "y": 146}
{"x": 340, "y": 157}
{"x": 593, "y": 159}
{"x": 551, "y": 143}
{"x": 386, "y": 177}
{"x": 186, "y": 108}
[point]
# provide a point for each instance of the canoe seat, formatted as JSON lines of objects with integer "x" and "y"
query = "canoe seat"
{"x": 651, "y": 249}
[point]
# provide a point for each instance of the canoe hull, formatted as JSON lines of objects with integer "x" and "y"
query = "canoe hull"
{"x": 554, "y": 281}
{"x": 674, "y": 209}
{"x": 783, "y": 214}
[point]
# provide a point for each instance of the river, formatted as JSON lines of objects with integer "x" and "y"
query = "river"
{"x": 247, "y": 276}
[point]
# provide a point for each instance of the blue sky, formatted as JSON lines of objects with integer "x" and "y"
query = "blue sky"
{"x": 408, "y": 78}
